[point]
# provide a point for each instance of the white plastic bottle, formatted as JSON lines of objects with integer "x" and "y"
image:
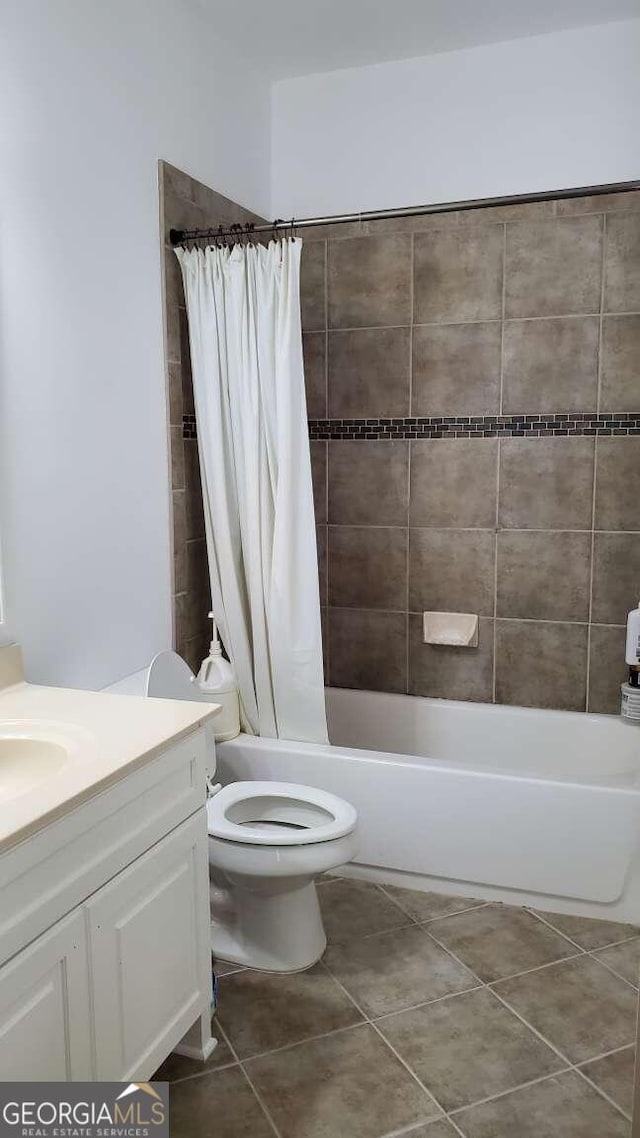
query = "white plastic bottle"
{"x": 217, "y": 683}
{"x": 630, "y": 706}
{"x": 632, "y": 654}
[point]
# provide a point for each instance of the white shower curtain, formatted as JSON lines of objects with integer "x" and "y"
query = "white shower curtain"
{"x": 243, "y": 310}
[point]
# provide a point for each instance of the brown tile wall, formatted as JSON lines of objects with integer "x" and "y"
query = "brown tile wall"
{"x": 187, "y": 204}
{"x": 515, "y": 310}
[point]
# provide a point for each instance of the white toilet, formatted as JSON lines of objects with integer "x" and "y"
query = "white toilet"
{"x": 267, "y": 843}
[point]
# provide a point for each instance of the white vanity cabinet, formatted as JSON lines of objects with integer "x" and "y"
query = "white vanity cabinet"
{"x": 45, "y": 1028}
{"x": 144, "y": 932}
{"x": 104, "y": 930}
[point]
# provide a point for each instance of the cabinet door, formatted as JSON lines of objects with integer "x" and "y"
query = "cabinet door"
{"x": 150, "y": 953}
{"x": 45, "y": 1030}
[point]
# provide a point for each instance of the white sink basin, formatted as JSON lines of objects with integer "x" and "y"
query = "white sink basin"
{"x": 32, "y": 754}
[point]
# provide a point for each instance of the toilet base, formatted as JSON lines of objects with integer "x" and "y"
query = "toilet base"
{"x": 274, "y": 926}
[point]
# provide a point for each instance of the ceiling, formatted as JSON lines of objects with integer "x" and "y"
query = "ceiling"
{"x": 299, "y": 37}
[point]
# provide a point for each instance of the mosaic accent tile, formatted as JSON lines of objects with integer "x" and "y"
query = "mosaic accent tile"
{"x": 466, "y": 427}
{"x": 189, "y": 430}
{"x": 479, "y": 426}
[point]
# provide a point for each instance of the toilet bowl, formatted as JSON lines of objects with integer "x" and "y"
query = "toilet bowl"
{"x": 268, "y": 841}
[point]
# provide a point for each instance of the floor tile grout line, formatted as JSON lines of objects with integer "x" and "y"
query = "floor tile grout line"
{"x": 380, "y": 885}
{"x": 512, "y": 1090}
{"x": 538, "y": 968}
{"x": 561, "y": 1055}
{"x": 260, "y": 1102}
{"x": 411, "y": 1072}
{"x": 256, "y": 1093}
{"x": 534, "y": 1082}
{"x": 204, "y": 1073}
{"x": 512, "y": 976}
{"x": 525, "y": 972}
{"x": 366, "y": 1019}
{"x": 370, "y": 936}
{"x": 468, "y": 908}
{"x": 578, "y": 1067}
{"x": 613, "y": 972}
{"x": 233, "y": 1062}
{"x": 600, "y": 948}
{"x": 381, "y": 888}
{"x": 246, "y": 1076}
{"x": 227, "y": 1040}
{"x": 407, "y": 1131}
{"x": 554, "y": 963}
{"x": 415, "y": 1128}
{"x": 452, "y": 1122}
{"x": 426, "y": 1003}
{"x": 480, "y": 984}
{"x": 458, "y": 912}
{"x": 606, "y": 1054}
{"x": 612, "y": 1102}
{"x": 545, "y": 921}
{"x": 568, "y": 1064}
{"x": 457, "y": 958}
{"x": 581, "y": 950}
{"x": 307, "y": 1039}
{"x": 615, "y": 943}
{"x": 387, "y": 1044}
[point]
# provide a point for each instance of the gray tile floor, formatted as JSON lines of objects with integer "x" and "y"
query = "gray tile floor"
{"x": 429, "y": 1017}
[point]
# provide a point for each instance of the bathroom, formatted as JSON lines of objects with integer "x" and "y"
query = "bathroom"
{"x": 471, "y": 376}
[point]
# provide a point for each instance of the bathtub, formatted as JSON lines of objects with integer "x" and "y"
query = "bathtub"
{"x": 530, "y": 807}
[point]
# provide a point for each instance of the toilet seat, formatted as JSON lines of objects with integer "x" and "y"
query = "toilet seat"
{"x": 278, "y": 814}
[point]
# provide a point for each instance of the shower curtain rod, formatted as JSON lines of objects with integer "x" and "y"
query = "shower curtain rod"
{"x": 180, "y": 236}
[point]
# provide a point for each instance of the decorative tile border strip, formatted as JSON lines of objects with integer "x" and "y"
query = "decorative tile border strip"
{"x": 478, "y": 426}
{"x": 465, "y": 427}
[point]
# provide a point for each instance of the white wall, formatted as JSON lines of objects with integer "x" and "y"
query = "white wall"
{"x": 532, "y": 114}
{"x": 91, "y": 95}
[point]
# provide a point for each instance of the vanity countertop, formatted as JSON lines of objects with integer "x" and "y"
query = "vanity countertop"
{"x": 103, "y": 736}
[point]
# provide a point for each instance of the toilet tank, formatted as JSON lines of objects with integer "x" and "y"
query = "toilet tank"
{"x": 169, "y": 677}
